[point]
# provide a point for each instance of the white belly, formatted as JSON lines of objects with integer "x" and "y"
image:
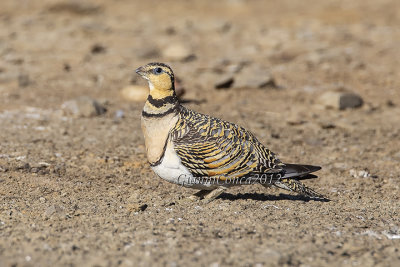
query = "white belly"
{"x": 172, "y": 170}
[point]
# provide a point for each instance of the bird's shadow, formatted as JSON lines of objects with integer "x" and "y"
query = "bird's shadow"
{"x": 265, "y": 197}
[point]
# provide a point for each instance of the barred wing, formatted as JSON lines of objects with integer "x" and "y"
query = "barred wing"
{"x": 210, "y": 147}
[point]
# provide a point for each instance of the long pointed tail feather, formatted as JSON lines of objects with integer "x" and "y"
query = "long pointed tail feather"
{"x": 294, "y": 173}
{"x": 301, "y": 189}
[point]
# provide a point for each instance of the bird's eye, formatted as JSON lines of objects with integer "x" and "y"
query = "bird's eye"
{"x": 157, "y": 71}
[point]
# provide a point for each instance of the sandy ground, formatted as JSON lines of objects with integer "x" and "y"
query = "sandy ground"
{"x": 77, "y": 191}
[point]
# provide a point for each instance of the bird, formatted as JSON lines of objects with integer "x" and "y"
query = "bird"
{"x": 201, "y": 152}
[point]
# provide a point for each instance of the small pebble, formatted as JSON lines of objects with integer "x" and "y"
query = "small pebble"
{"x": 83, "y": 107}
{"x": 397, "y": 155}
{"x": 119, "y": 114}
{"x": 224, "y": 82}
{"x": 67, "y": 67}
{"x": 136, "y": 207}
{"x": 135, "y": 93}
{"x": 178, "y": 52}
{"x": 98, "y": 49}
{"x": 74, "y": 7}
{"x": 390, "y": 103}
{"x": 53, "y": 209}
{"x": 148, "y": 53}
{"x": 254, "y": 77}
{"x": 340, "y": 100}
{"x": 23, "y": 80}
{"x": 359, "y": 173}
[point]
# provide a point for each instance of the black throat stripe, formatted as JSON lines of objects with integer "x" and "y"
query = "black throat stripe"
{"x": 158, "y": 103}
{"x": 174, "y": 109}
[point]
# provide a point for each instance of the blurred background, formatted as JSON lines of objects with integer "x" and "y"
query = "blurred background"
{"x": 69, "y": 48}
{"x": 318, "y": 82}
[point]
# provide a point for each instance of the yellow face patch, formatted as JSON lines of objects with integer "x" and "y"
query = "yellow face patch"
{"x": 160, "y": 78}
{"x": 160, "y": 85}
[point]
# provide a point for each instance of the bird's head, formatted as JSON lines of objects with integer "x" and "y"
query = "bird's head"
{"x": 160, "y": 78}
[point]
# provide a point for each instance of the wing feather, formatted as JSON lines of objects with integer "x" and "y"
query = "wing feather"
{"x": 212, "y": 147}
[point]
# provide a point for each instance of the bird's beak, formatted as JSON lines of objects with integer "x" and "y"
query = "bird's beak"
{"x": 140, "y": 71}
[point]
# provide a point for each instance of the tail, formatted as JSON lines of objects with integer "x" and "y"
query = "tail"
{"x": 301, "y": 172}
{"x": 300, "y": 188}
{"x": 295, "y": 172}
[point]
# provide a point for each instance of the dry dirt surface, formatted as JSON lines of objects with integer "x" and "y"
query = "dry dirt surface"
{"x": 76, "y": 189}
